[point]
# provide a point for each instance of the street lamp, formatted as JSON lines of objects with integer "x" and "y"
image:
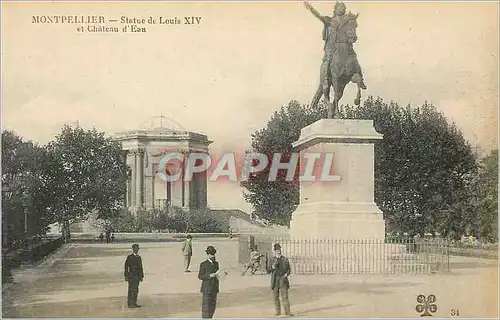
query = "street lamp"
{"x": 25, "y": 211}
{"x": 8, "y": 194}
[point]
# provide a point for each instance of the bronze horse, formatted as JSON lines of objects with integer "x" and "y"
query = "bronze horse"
{"x": 343, "y": 66}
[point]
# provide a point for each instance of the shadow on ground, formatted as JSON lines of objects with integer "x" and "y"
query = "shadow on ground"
{"x": 168, "y": 305}
{"x": 89, "y": 271}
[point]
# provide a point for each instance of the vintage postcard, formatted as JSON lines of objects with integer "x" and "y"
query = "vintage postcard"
{"x": 249, "y": 159}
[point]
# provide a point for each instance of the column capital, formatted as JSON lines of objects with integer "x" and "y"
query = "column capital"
{"x": 136, "y": 152}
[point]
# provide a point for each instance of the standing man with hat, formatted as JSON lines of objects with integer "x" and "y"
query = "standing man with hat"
{"x": 209, "y": 276}
{"x": 280, "y": 270}
{"x": 134, "y": 274}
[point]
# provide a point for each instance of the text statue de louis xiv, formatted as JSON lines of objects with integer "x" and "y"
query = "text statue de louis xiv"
{"x": 340, "y": 64}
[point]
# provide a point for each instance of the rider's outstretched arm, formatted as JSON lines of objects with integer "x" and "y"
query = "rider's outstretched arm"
{"x": 315, "y": 12}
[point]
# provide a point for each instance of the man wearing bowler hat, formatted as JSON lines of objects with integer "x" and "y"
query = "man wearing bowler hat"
{"x": 133, "y": 275}
{"x": 209, "y": 276}
{"x": 280, "y": 270}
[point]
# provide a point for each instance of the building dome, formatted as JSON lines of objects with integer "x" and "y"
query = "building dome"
{"x": 161, "y": 123}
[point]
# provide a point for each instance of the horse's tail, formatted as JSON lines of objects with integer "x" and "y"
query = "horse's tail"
{"x": 317, "y": 97}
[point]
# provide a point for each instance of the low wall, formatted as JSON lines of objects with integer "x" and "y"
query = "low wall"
{"x": 147, "y": 237}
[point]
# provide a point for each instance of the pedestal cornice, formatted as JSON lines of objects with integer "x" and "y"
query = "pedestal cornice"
{"x": 337, "y": 131}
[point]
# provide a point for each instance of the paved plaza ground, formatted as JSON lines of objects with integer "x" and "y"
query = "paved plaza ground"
{"x": 86, "y": 280}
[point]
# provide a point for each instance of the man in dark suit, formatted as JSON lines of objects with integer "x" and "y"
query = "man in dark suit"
{"x": 280, "y": 270}
{"x": 209, "y": 276}
{"x": 133, "y": 275}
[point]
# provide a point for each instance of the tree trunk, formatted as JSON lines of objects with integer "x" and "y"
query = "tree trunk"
{"x": 65, "y": 231}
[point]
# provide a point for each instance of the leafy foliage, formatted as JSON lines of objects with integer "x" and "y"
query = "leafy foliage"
{"x": 487, "y": 190}
{"x": 172, "y": 219}
{"x": 124, "y": 221}
{"x": 22, "y": 188}
{"x": 274, "y": 201}
{"x": 86, "y": 171}
{"x": 422, "y": 165}
{"x": 80, "y": 171}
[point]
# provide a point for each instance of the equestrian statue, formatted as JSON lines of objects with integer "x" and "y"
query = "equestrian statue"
{"x": 340, "y": 64}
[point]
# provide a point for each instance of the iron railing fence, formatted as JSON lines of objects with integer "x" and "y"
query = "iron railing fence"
{"x": 335, "y": 256}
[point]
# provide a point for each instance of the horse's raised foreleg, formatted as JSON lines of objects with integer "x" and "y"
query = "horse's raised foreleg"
{"x": 357, "y": 101}
{"x": 358, "y": 80}
{"x": 317, "y": 96}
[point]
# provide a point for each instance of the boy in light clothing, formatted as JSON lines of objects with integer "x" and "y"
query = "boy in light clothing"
{"x": 254, "y": 262}
{"x": 187, "y": 251}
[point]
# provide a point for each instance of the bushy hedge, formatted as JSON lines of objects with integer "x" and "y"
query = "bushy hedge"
{"x": 172, "y": 219}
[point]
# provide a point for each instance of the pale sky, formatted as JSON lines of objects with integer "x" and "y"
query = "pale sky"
{"x": 226, "y": 76}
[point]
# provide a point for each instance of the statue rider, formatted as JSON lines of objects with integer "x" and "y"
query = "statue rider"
{"x": 330, "y": 36}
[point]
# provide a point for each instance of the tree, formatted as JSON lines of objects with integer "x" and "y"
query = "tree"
{"x": 417, "y": 170}
{"x": 475, "y": 211}
{"x": 23, "y": 202}
{"x": 273, "y": 201}
{"x": 422, "y": 165}
{"x": 487, "y": 184}
{"x": 85, "y": 171}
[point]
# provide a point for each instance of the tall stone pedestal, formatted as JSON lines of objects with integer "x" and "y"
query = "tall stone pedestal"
{"x": 343, "y": 209}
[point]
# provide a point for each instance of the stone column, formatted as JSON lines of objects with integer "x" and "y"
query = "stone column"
{"x": 202, "y": 190}
{"x": 133, "y": 178}
{"x": 152, "y": 186}
{"x": 127, "y": 194}
{"x": 148, "y": 183}
{"x": 139, "y": 178}
{"x": 128, "y": 183}
{"x": 197, "y": 189}
{"x": 186, "y": 185}
{"x": 342, "y": 209}
{"x": 183, "y": 183}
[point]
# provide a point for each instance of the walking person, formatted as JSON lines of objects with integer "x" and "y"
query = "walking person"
{"x": 134, "y": 274}
{"x": 187, "y": 251}
{"x": 280, "y": 270}
{"x": 209, "y": 276}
